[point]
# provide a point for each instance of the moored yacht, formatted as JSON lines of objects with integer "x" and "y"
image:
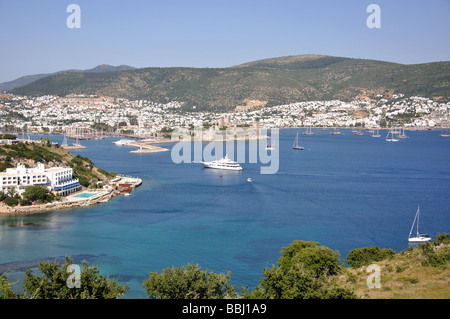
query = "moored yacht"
{"x": 296, "y": 145}
{"x": 223, "y": 163}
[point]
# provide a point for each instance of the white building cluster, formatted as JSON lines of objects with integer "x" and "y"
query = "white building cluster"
{"x": 58, "y": 179}
{"x": 149, "y": 117}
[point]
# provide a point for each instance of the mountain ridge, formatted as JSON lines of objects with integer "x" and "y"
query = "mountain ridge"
{"x": 278, "y": 81}
{"x": 26, "y": 79}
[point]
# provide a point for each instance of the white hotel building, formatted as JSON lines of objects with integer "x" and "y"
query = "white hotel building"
{"x": 57, "y": 179}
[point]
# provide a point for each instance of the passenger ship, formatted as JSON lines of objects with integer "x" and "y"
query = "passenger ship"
{"x": 223, "y": 163}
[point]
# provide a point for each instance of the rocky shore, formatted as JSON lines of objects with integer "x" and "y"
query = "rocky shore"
{"x": 77, "y": 200}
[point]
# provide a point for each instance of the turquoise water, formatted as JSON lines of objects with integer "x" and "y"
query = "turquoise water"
{"x": 344, "y": 192}
{"x": 85, "y": 195}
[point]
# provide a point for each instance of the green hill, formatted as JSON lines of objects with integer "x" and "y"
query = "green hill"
{"x": 277, "y": 80}
{"x": 24, "y": 80}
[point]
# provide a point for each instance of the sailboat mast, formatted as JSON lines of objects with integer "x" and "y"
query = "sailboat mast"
{"x": 418, "y": 217}
{"x": 412, "y": 226}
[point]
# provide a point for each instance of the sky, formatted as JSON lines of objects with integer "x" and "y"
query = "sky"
{"x": 35, "y": 37}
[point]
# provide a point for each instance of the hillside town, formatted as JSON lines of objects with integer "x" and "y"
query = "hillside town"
{"x": 142, "y": 118}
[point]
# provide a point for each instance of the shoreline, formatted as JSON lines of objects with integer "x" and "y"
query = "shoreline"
{"x": 75, "y": 201}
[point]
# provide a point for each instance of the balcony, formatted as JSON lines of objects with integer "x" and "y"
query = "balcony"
{"x": 66, "y": 184}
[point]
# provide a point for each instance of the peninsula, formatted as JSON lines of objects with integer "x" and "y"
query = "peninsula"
{"x": 37, "y": 176}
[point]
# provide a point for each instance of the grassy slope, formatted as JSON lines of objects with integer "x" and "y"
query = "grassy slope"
{"x": 405, "y": 277}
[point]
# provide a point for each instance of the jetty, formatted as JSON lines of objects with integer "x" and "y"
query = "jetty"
{"x": 125, "y": 184}
{"x": 73, "y": 147}
{"x": 146, "y": 148}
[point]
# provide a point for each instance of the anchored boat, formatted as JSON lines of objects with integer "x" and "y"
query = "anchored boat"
{"x": 223, "y": 163}
{"x": 296, "y": 145}
{"x": 419, "y": 238}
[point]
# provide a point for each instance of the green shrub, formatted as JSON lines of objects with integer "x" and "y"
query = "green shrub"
{"x": 437, "y": 256}
{"x": 413, "y": 280}
{"x": 352, "y": 278}
{"x": 304, "y": 271}
{"x": 365, "y": 256}
{"x": 188, "y": 282}
{"x": 399, "y": 269}
{"x": 11, "y": 201}
{"x": 83, "y": 181}
{"x": 25, "y": 202}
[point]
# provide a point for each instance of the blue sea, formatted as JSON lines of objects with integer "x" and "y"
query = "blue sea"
{"x": 344, "y": 192}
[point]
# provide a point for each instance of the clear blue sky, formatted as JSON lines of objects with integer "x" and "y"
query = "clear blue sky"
{"x": 214, "y": 33}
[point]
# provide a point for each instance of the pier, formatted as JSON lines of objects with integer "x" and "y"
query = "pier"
{"x": 145, "y": 148}
{"x": 73, "y": 147}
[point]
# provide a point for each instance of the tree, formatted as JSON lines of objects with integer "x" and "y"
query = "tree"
{"x": 297, "y": 282}
{"x": 305, "y": 270}
{"x": 188, "y": 282}
{"x": 319, "y": 259}
{"x": 52, "y": 283}
{"x": 6, "y": 291}
{"x": 38, "y": 193}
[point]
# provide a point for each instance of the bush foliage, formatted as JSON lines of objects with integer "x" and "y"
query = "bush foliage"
{"x": 365, "y": 256}
{"x": 188, "y": 282}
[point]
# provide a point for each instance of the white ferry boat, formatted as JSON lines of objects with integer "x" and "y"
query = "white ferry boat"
{"x": 123, "y": 142}
{"x": 223, "y": 163}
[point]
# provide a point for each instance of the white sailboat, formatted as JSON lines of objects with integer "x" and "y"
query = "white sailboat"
{"x": 445, "y": 133}
{"x": 392, "y": 138}
{"x": 336, "y": 131}
{"x": 419, "y": 238}
{"x": 403, "y": 135}
{"x": 296, "y": 145}
{"x": 76, "y": 143}
{"x": 309, "y": 131}
{"x": 376, "y": 134}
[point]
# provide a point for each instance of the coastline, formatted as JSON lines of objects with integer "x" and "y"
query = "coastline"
{"x": 75, "y": 200}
